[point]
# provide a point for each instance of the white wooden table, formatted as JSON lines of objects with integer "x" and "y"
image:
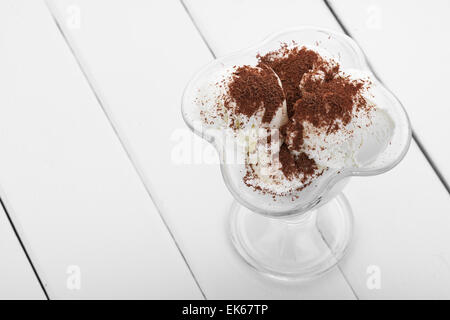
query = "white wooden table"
{"x": 93, "y": 205}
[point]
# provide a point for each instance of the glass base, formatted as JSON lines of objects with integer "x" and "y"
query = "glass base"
{"x": 302, "y": 247}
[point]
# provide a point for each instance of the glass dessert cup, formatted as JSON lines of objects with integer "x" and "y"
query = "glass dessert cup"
{"x": 304, "y": 234}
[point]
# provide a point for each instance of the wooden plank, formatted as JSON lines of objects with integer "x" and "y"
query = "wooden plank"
{"x": 402, "y": 218}
{"x": 401, "y": 232}
{"x": 141, "y": 55}
{"x": 236, "y": 24}
{"x": 84, "y": 214}
{"x": 17, "y": 280}
{"x": 412, "y": 57}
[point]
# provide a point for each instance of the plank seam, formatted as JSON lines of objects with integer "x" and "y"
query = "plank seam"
{"x": 338, "y": 264}
{"x": 198, "y": 29}
{"x": 16, "y": 233}
{"x": 214, "y": 56}
{"x": 414, "y": 135}
{"x": 122, "y": 142}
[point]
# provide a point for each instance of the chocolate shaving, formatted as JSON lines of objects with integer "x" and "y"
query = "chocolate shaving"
{"x": 290, "y": 64}
{"x": 315, "y": 91}
{"x": 300, "y": 166}
{"x": 329, "y": 101}
{"x": 251, "y": 89}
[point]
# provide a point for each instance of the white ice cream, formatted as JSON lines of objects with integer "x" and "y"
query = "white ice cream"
{"x": 215, "y": 115}
{"x": 353, "y": 145}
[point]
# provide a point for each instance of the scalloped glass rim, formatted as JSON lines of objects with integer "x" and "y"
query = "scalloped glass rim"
{"x": 358, "y": 58}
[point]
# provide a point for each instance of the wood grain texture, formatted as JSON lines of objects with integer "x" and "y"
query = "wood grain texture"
{"x": 408, "y": 46}
{"x": 70, "y": 187}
